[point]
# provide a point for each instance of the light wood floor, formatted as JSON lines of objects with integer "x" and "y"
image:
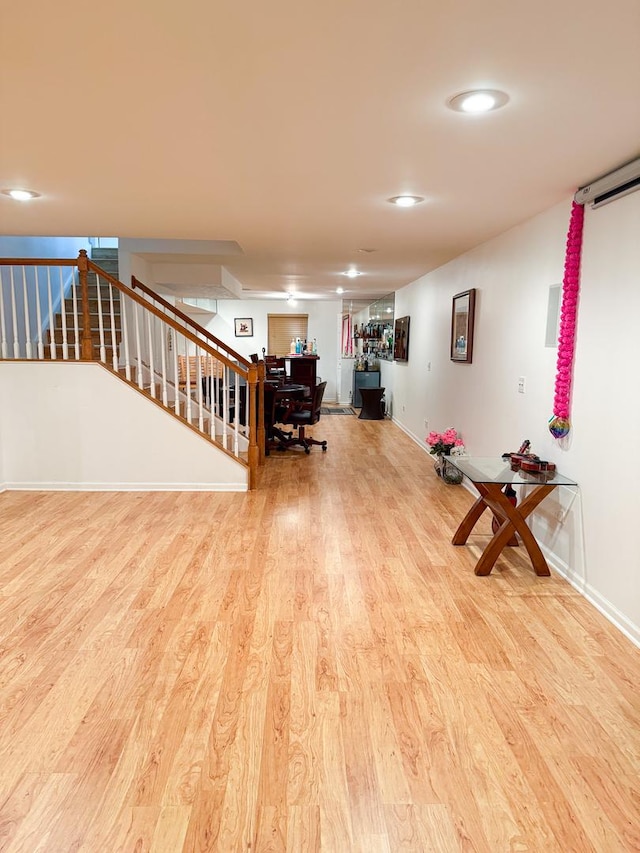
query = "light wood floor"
{"x": 310, "y": 667}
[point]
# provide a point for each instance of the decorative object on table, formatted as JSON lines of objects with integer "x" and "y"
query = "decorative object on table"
{"x": 514, "y": 458}
{"x": 401, "y": 339}
{"x": 443, "y": 444}
{"x": 559, "y": 423}
{"x": 528, "y": 463}
{"x": 243, "y": 327}
{"x": 463, "y": 311}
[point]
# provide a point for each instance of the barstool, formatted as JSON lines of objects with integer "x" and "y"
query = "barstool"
{"x": 372, "y": 405}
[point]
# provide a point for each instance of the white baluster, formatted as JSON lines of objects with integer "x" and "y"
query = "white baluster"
{"x": 27, "y": 323}
{"x": 199, "y": 381}
{"x": 63, "y": 312}
{"x": 152, "y": 372}
{"x": 112, "y": 319}
{"x": 76, "y": 324}
{"x": 103, "y": 349}
{"x": 176, "y": 373}
{"x": 39, "y": 317}
{"x": 4, "y": 345}
{"x": 218, "y": 383}
{"x": 14, "y": 313}
{"x": 210, "y": 392}
{"x": 225, "y": 405}
{"x": 138, "y": 354}
{"x": 163, "y": 364}
{"x": 52, "y": 331}
{"x": 188, "y": 381}
{"x": 236, "y": 425}
{"x": 125, "y": 335}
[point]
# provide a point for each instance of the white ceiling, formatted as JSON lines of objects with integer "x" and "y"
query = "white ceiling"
{"x": 284, "y": 126}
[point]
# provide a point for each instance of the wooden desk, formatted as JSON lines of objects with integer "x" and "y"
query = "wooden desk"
{"x": 303, "y": 369}
{"x": 489, "y": 476}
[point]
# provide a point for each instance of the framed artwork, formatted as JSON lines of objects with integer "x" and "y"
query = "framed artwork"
{"x": 244, "y": 327}
{"x": 401, "y": 339}
{"x": 462, "y": 317}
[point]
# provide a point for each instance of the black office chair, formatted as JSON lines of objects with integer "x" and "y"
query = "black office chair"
{"x": 307, "y": 414}
{"x": 273, "y": 411}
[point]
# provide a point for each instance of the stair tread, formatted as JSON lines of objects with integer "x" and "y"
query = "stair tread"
{"x": 103, "y": 252}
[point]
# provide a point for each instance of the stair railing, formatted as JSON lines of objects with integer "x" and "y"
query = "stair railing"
{"x": 165, "y": 306}
{"x": 105, "y": 321}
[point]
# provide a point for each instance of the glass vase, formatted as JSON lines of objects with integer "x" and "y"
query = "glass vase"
{"x": 450, "y": 474}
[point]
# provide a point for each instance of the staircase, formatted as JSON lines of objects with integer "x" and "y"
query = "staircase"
{"x": 141, "y": 338}
{"x": 106, "y": 259}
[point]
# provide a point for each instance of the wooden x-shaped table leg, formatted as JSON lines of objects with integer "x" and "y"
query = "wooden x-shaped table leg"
{"x": 492, "y": 497}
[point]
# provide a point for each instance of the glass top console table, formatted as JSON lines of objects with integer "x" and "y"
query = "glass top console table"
{"x": 490, "y": 475}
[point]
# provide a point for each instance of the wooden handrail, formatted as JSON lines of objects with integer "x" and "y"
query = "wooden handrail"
{"x": 135, "y": 282}
{"x": 40, "y": 262}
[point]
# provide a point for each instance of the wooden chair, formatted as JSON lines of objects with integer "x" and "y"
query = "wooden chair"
{"x": 305, "y": 415}
{"x": 209, "y": 369}
{"x": 275, "y": 368}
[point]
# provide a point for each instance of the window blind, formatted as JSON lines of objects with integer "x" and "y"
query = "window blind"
{"x": 282, "y": 329}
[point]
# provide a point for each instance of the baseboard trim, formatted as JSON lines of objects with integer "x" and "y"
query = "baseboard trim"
{"x": 126, "y": 487}
{"x": 422, "y": 444}
{"x": 603, "y": 605}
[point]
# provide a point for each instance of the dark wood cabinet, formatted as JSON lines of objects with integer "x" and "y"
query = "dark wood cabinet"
{"x": 302, "y": 369}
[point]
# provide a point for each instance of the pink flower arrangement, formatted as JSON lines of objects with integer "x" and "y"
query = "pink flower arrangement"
{"x": 559, "y": 423}
{"x": 447, "y": 443}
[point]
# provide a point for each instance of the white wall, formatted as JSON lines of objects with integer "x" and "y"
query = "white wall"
{"x": 76, "y": 426}
{"x": 324, "y": 318}
{"x": 43, "y": 247}
{"x": 593, "y": 544}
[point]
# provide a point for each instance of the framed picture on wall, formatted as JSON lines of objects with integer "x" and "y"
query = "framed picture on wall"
{"x": 243, "y": 327}
{"x": 401, "y": 339}
{"x": 462, "y": 318}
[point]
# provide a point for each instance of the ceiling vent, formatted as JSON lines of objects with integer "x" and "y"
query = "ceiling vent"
{"x": 621, "y": 182}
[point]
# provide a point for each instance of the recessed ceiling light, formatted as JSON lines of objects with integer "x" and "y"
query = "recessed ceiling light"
{"x": 339, "y": 289}
{"x": 351, "y": 273}
{"x": 478, "y": 101}
{"x": 21, "y": 195}
{"x": 405, "y": 200}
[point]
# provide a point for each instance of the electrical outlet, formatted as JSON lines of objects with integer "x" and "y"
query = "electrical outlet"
{"x": 521, "y": 384}
{"x": 428, "y": 365}
{"x": 426, "y": 423}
